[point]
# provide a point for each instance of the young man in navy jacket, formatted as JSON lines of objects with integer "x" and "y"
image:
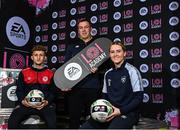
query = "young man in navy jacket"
{"x": 86, "y": 91}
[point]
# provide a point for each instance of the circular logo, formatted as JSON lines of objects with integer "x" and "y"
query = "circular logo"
{"x": 17, "y": 61}
{"x": 143, "y": 25}
{"x": 145, "y": 83}
{"x": 93, "y": 19}
{"x": 144, "y": 68}
{"x": 54, "y": 26}
{"x": 54, "y": 15}
{"x": 37, "y": 39}
{"x": 72, "y": 34}
{"x": 45, "y": 78}
{"x": 143, "y": 11}
{"x": 117, "y": 39}
{"x": 174, "y": 51}
{"x": 93, "y": 7}
{"x": 173, "y": 6}
{"x": 173, "y": 21}
{"x": 73, "y": 23}
{"x": 145, "y": 97}
{"x": 11, "y": 93}
{"x": 38, "y": 28}
{"x": 73, "y": 1}
{"x": 73, "y": 11}
{"x": 54, "y": 37}
{"x": 94, "y": 31}
{"x": 175, "y": 83}
{"x": 117, "y": 28}
{"x": 17, "y": 31}
{"x": 92, "y": 53}
{"x": 54, "y": 48}
{"x": 143, "y": 39}
{"x": 73, "y": 71}
{"x": 143, "y": 53}
{"x": 117, "y": 15}
{"x": 117, "y": 3}
{"x": 174, "y": 67}
{"x": 174, "y": 36}
{"x": 54, "y": 59}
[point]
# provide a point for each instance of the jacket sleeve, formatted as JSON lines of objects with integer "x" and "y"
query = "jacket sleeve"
{"x": 20, "y": 92}
{"x": 68, "y": 54}
{"x": 137, "y": 100}
{"x": 136, "y": 83}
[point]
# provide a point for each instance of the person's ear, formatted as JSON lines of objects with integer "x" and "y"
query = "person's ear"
{"x": 31, "y": 57}
{"x": 125, "y": 54}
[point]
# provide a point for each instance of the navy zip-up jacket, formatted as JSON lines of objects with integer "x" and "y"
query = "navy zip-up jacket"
{"x": 32, "y": 78}
{"x": 90, "y": 81}
{"x": 123, "y": 88}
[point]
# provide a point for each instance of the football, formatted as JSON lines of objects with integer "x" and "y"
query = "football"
{"x": 100, "y": 109}
{"x": 35, "y": 97}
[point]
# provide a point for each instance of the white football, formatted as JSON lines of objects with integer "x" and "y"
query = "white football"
{"x": 35, "y": 97}
{"x": 100, "y": 109}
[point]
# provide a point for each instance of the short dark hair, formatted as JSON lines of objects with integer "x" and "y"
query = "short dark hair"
{"x": 83, "y": 20}
{"x": 39, "y": 48}
{"x": 120, "y": 43}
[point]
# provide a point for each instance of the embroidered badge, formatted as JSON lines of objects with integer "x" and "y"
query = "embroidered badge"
{"x": 123, "y": 79}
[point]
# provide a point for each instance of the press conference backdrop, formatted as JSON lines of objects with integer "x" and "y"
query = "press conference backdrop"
{"x": 149, "y": 30}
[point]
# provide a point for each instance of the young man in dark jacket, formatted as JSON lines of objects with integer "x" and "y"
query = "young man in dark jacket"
{"x": 36, "y": 77}
{"x": 86, "y": 91}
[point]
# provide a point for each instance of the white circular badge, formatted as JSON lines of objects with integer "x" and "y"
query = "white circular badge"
{"x": 73, "y": 71}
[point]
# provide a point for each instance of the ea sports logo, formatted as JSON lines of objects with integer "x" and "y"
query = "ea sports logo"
{"x": 54, "y": 15}
{"x": 54, "y": 59}
{"x": 72, "y": 34}
{"x": 143, "y": 25}
{"x": 54, "y": 37}
{"x": 143, "y": 11}
{"x": 73, "y": 23}
{"x": 117, "y": 28}
{"x": 93, "y": 19}
{"x": 38, "y": 28}
{"x": 174, "y": 36}
{"x": 145, "y": 98}
{"x": 143, "y": 39}
{"x": 145, "y": 83}
{"x": 17, "y": 31}
{"x": 175, "y": 67}
{"x": 73, "y": 11}
{"x": 173, "y": 6}
{"x": 117, "y": 3}
{"x": 93, "y": 7}
{"x": 54, "y": 26}
{"x": 175, "y": 83}
{"x": 117, "y": 15}
{"x": 144, "y": 68}
{"x": 54, "y": 48}
{"x": 94, "y": 31}
{"x": 173, "y": 21}
{"x": 11, "y": 93}
{"x": 174, "y": 51}
{"x": 143, "y": 53}
{"x": 73, "y": 71}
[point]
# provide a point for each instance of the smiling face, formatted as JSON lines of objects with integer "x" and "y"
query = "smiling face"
{"x": 117, "y": 54}
{"x": 84, "y": 30}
